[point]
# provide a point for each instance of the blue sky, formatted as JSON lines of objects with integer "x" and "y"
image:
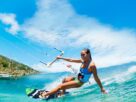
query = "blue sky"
{"x": 17, "y": 7}
{"x": 118, "y": 13}
{"x": 31, "y": 28}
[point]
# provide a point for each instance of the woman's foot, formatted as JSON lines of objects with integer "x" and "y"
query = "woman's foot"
{"x": 43, "y": 95}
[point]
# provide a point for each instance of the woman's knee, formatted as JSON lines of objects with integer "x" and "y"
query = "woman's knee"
{"x": 60, "y": 87}
{"x": 67, "y": 79}
{"x": 63, "y": 81}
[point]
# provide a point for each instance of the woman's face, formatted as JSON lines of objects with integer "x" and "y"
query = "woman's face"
{"x": 84, "y": 55}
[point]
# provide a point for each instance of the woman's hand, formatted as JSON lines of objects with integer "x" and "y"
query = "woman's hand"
{"x": 69, "y": 66}
{"x": 103, "y": 91}
{"x": 58, "y": 57}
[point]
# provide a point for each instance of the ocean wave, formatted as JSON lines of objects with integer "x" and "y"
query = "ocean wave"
{"x": 121, "y": 77}
{"x": 132, "y": 69}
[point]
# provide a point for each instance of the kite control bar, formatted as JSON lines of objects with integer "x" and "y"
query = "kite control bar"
{"x": 48, "y": 65}
{"x": 62, "y": 52}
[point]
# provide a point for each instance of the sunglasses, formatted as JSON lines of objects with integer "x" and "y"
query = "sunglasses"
{"x": 82, "y": 55}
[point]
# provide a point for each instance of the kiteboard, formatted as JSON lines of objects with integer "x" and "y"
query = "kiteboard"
{"x": 36, "y": 94}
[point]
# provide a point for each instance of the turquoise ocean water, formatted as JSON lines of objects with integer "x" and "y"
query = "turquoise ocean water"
{"x": 119, "y": 81}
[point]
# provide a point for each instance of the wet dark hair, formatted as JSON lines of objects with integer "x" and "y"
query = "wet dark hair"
{"x": 88, "y": 52}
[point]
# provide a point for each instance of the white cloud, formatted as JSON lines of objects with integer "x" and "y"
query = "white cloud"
{"x": 56, "y": 24}
{"x": 9, "y": 19}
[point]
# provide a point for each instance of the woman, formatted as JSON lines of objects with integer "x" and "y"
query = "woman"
{"x": 86, "y": 70}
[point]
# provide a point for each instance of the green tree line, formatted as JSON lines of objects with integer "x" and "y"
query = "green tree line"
{"x": 14, "y": 68}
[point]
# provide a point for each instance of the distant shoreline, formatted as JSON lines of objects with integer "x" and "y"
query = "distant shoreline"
{"x": 10, "y": 68}
{"x": 15, "y": 74}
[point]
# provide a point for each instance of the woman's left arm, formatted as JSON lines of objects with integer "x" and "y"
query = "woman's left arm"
{"x": 97, "y": 78}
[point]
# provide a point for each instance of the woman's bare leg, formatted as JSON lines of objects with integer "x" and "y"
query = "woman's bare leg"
{"x": 67, "y": 79}
{"x": 67, "y": 85}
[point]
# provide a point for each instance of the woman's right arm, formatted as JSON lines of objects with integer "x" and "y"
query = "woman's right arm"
{"x": 97, "y": 79}
{"x": 70, "y": 60}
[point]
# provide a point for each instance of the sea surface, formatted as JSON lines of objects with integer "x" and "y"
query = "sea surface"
{"x": 119, "y": 81}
